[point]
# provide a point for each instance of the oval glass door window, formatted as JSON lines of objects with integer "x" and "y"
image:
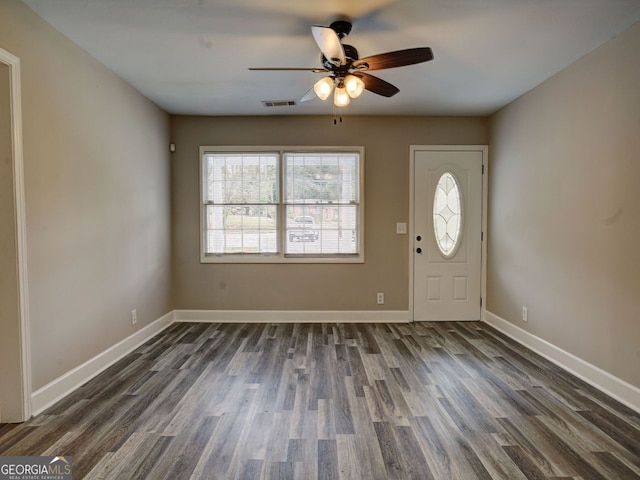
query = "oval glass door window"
{"x": 447, "y": 215}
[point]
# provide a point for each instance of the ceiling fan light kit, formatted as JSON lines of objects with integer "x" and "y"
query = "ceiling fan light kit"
{"x": 352, "y": 87}
{"x": 346, "y": 71}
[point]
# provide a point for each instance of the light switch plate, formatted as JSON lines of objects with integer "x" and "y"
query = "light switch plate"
{"x": 401, "y": 228}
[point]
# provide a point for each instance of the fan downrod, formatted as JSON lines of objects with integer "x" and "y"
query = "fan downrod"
{"x": 341, "y": 27}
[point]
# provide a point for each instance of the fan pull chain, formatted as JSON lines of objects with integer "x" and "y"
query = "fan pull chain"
{"x": 337, "y": 116}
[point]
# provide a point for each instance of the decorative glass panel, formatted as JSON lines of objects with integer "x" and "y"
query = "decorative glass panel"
{"x": 447, "y": 214}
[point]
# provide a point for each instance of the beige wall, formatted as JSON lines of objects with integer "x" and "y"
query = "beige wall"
{"x": 97, "y": 198}
{"x": 564, "y": 209}
{"x": 308, "y": 287}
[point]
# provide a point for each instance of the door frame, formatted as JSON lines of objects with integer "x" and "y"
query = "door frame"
{"x": 485, "y": 186}
{"x": 23, "y": 340}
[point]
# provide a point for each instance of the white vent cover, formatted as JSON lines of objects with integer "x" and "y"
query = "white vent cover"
{"x": 278, "y": 103}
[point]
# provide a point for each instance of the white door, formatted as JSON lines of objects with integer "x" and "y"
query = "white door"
{"x": 447, "y": 229}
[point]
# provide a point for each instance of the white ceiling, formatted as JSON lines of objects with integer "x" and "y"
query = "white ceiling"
{"x": 191, "y": 56}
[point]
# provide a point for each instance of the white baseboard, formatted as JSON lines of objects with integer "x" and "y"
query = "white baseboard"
{"x": 613, "y": 386}
{"x": 46, "y": 396}
{"x": 292, "y": 316}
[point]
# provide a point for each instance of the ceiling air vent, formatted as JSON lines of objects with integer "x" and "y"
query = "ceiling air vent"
{"x": 278, "y": 103}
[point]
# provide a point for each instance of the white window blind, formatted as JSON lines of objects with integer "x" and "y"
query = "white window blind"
{"x": 321, "y": 189}
{"x": 241, "y": 203}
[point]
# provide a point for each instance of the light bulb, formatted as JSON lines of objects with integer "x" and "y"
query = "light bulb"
{"x": 354, "y": 86}
{"x": 341, "y": 97}
{"x": 323, "y": 87}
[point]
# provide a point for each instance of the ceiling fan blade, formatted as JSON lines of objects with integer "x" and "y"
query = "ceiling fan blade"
{"x": 310, "y": 95}
{"x": 329, "y": 44}
{"x": 399, "y": 58}
{"x": 377, "y": 85}
{"x": 277, "y": 69}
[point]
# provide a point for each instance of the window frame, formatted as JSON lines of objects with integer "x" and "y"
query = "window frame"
{"x": 281, "y": 256}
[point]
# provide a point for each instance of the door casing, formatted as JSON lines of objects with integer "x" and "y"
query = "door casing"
{"x": 17, "y": 408}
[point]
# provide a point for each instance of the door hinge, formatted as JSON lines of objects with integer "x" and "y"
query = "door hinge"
{"x": 482, "y": 236}
{"x": 483, "y": 169}
{"x": 480, "y": 302}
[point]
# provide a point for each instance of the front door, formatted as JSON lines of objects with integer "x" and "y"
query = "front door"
{"x": 447, "y": 229}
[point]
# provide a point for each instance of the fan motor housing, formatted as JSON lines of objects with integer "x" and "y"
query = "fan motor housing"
{"x": 350, "y": 53}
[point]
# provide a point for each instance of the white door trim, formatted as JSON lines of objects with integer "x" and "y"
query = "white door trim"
{"x": 21, "y": 230}
{"x": 485, "y": 162}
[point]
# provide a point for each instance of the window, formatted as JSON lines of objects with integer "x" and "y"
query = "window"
{"x": 282, "y": 205}
{"x": 240, "y": 202}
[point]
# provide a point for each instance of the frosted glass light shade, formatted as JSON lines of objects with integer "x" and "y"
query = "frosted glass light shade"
{"x": 354, "y": 86}
{"x": 323, "y": 87}
{"x": 341, "y": 97}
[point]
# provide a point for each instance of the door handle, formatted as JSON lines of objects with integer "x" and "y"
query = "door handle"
{"x": 418, "y": 238}
{"x": 418, "y": 250}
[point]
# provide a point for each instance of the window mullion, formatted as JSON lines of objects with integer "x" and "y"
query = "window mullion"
{"x": 281, "y": 233}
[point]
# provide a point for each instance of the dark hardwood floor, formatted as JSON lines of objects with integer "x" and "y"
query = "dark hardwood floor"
{"x": 335, "y": 401}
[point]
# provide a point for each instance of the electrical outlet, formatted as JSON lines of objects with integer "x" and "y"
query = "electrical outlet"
{"x": 380, "y": 298}
{"x": 134, "y": 317}
{"x": 525, "y": 314}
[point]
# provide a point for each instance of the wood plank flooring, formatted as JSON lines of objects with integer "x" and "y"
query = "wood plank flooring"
{"x": 335, "y": 401}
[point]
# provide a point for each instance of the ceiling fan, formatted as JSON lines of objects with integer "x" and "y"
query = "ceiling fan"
{"x": 347, "y": 76}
